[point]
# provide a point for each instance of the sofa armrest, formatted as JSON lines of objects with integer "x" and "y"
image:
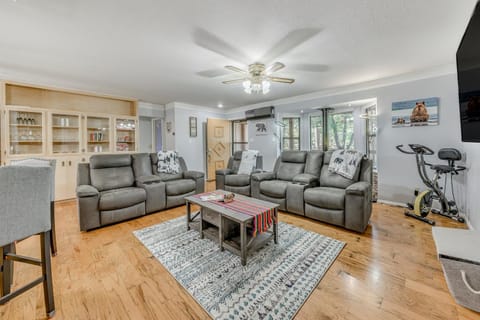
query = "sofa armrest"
{"x": 263, "y": 176}
{"x": 306, "y": 179}
{"x": 257, "y": 171}
{"x": 88, "y": 213}
{"x": 193, "y": 175}
{"x": 223, "y": 172}
{"x": 147, "y": 180}
{"x": 360, "y": 188}
{"x": 358, "y": 206}
{"x": 85, "y": 190}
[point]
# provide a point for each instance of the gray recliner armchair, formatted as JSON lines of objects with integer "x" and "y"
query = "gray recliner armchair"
{"x": 228, "y": 179}
{"x": 340, "y": 201}
{"x": 294, "y": 171}
{"x": 107, "y": 192}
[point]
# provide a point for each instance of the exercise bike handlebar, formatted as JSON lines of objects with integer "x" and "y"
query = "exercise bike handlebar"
{"x": 416, "y": 149}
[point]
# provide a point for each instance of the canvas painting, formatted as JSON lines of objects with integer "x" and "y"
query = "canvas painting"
{"x": 261, "y": 128}
{"x": 419, "y": 112}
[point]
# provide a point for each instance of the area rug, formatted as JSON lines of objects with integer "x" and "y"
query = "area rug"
{"x": 274, "y": 284}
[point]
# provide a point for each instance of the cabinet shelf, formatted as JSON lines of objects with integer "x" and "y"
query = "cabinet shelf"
{"x": 126, "y": 130}
{"x": 27, "y": 141}
{"x": 25, "y": 125}
{"x": 98, "y": 129}
{"x": 64, "y": 142}
{"x": 65, "y": 127}
{"x": 125, "y": 141}
{"x": 99, "y": 141}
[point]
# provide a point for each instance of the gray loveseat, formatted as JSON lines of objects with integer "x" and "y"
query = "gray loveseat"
{"x": 228, "y": 179}
{"x": 113, "y": 188}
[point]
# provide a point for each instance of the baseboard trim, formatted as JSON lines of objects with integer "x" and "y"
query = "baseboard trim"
{"x": 392, "y": 203}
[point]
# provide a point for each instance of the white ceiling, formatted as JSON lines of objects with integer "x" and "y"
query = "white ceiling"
{"x": 157, "y": 51}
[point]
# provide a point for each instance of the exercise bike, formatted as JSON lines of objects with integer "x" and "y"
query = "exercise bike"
{"x": 424, "y": 200}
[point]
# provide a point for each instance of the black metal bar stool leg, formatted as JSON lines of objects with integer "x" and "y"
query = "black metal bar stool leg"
{"x": 47, "y": 273}
{"x": 53, "y": 238}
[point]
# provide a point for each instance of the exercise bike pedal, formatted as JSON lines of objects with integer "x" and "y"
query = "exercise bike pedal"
{"x": 410, "y": 206}
{"x": 424, "y": 219}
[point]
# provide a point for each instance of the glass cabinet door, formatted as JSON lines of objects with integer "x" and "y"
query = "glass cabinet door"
{"x": 26, "y": 135}
{"x": 98, "y": 134}
{"x": 125, "y": 130}
{"x": 65, "y": 133}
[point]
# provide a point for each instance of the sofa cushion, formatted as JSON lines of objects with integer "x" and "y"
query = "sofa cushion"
{"x": 330, "y": 179}
{"x": 112, "y": 178}
{"x": 168, "y": 162}
{"x": 286, "y": 170}
{"x": 274, "y": 188}
{"x": 169, "y": 177}
{"x": 237, "y": 180}
{"x": 141, "y": 164}
{"x": 327, "y": 198}
{"x": 294, "y": 156}
{"x": 121, "y": 198}
{"x": 178, "y": 187}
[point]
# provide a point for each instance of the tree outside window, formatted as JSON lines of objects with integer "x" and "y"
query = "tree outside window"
{"x": 316, "y": 132}
{"x": 340, "y": 131}
{"x": 291, "y": 133}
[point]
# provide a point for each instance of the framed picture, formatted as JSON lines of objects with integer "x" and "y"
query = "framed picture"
{"x": 193, "y": 126}
{"x": 261, "y": 128}
{"x": 412, "y": 113}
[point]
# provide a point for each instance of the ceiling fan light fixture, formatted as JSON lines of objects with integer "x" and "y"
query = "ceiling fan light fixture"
{"x": 265, "y": 86}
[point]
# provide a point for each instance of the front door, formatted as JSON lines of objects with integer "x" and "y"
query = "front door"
{"x": 219, "y": 145}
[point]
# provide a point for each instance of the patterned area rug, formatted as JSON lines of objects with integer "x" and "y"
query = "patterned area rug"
{"x": 274, "y": 284}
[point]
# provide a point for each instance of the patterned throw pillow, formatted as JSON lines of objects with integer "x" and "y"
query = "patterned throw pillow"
{"x": 168, "y": 162}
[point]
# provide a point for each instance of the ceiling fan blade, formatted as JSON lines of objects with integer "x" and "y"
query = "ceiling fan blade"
{"x": 212, "y": 73}
{"x": 211, "y": 42}
{"x": 292, "y": 40}
{"x": 274, "y": 67}
{"x": 308, "y": 67}
{"x": 235, "y": 81}
{"x": 235, "y": 69}
{"x": 282, "y": 80}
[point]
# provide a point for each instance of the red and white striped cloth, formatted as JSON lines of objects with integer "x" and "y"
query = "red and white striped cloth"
{"x": 262, "y": 216}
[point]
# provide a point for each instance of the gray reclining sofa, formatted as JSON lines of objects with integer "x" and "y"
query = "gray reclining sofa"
{"x": 302, "y": 184}
{"x": 113, "y": 188}
{"x": 228, "y": 179}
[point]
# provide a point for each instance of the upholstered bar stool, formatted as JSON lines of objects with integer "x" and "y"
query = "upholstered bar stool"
{"x": 37, "y": 162}
{"x": 24, "y": 212}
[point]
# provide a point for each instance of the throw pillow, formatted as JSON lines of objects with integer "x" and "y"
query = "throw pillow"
{"x": 168, "y": 162}
{"x": 248, "y": 162}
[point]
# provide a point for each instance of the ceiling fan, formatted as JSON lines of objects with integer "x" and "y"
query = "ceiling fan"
{"x": 258, "y": 77}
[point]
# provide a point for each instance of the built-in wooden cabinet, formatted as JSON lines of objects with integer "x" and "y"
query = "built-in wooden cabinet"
{"x": 125, "y": 134}
{"x": 65, "y": 125}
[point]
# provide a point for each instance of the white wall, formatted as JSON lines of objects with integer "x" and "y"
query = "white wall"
{"x": 397, "y": 172}
{"x": 472, "y": 184}
{"x": 192, "y": 149}
{"x": 145, "y": 131}
{"x": 266, "y": 144}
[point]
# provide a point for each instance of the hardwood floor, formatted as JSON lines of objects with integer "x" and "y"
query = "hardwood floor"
{"x": 390, "y": 272}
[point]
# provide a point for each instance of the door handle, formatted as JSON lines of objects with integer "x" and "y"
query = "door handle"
{"x": 70, "y": 163}
{"x": 63, "y": 163}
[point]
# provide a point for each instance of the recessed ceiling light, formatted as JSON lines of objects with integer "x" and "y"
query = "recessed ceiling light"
{"x": 349, "y": 104}
{"x": 220, "y": 105}
{"x": 301, "y": 111}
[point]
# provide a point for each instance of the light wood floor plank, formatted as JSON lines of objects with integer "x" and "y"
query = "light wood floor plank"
{"x": 390, "y": 272}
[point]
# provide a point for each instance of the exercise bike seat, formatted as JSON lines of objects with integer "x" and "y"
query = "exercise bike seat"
{"x": 443, "y": 168}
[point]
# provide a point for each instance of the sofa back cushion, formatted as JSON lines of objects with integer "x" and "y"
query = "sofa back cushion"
{"x": 314, "y": 162}
{"x": 329, "y": 179}
{"x": 290, "y": 164}
{"x": 236, "y": 159}
{"x": 141, "y": 164}
{"x": 110, "y": 171}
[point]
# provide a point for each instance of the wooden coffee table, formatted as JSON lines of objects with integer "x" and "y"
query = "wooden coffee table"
{"x": 219, "y": 224}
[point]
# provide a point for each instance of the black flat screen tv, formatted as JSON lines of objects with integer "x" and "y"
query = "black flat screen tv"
{"x": 468, "y": 73}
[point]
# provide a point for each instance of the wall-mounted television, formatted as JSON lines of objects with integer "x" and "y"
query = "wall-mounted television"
{"x": 468, "y": 73}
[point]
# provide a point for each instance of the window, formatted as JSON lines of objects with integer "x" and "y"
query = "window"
{"x": 240, "y": 135}
{"x": 316, "y": 132}
{"x": 340, "y": 131}
{"x": 372, "y": 135}
{"x": 291, "y": 133}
